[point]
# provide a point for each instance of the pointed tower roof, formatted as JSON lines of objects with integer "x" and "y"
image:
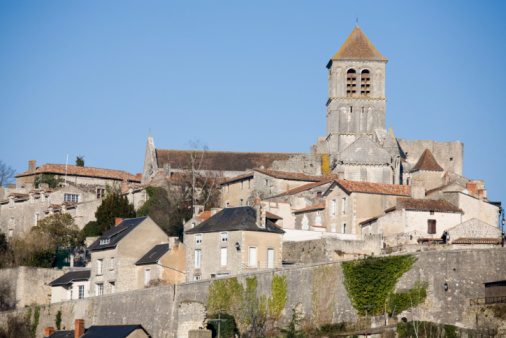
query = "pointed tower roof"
{"x": 390, "y": 144}
{"x": 358, "y": 47}
{"x": 427, "y": 162}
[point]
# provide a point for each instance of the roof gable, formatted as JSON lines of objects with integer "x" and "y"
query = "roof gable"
{"x": 427, "y": 162}
{"x": 371, "y": 188}
{"x": 70, "y": 277}
{"x": 426, "y": 205}
{"x": 285, "y": 175}
{"x": 358, "y": 47}
{"x": 234, "y": 219}
{"x": 111, "y": 238}
{"x": 365, "y": 151}
{"x": 154, "y": 255}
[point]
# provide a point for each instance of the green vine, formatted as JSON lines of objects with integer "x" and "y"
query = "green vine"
{"x": 58, "y": 320}
{"x": 399, "y": 302}
{"x": 370, "y": 281}
{"x": 36, "y": 315}
{"x": 277, "y": 301}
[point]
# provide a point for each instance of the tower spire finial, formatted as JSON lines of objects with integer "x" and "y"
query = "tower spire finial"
{"x": 357, "y": 21}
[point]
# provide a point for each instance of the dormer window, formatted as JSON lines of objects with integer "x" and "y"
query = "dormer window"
{"x": 351, "y": 83}
{"x": 104, "y": 241}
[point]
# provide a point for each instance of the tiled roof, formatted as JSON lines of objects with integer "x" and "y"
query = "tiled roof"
{"x": 62, "y": 334}
{"x": 477, "y": 241}
{"x": 270, "y": 215}
{"x": 71, "y": 277}
{"x": 153, "y": 255}
{"x": 301, "y": 188}
{"x": 112, "y": 331}
{"x": 432, "y": 191}
{"x": 234, "y": 219}
{"x": 374, "y": 188}
{"x": 114, "y": 235}
{"x": 295, "y": 176}
{"x": 237, "y": 178}
{"x": 82, "y": 171}
{"x": 427, "y": 162}
{"x": 358, "y": 47}
{"x": 427, "y": 204}
{"x": 203, "y": 216}
{"x": 317, "y": 206}
{"x": 220, "y": 160}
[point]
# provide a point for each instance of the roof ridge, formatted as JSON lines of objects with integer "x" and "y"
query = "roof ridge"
{"x": 358, "y": 47}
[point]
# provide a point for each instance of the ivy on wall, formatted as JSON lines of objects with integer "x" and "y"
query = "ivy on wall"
{"x": 371, "y": 281}
{"x": 399, "y": 302}
{"x": 277, "y": 301}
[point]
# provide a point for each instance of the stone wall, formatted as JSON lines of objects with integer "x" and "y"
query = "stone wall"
{"x": 163, "y": 309}
{"x": 309, "y": 164}
{"x": 27, "y": 285}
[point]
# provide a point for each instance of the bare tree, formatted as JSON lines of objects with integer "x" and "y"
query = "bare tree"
{"x": 6, "y": 173}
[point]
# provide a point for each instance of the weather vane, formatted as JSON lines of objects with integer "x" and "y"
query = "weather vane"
{"x": 357, "y": 21}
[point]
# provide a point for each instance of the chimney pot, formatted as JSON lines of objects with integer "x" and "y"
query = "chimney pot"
{"x": 48, "y": 330}
{"x": 117, "y": 221}
{"x": 32, "y": 166}
{"x": 79, "y": 328}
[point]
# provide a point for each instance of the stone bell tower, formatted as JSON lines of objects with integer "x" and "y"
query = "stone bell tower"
{"x": 357, "y": 103}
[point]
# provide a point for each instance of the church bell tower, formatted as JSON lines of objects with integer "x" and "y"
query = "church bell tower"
{"x": 357, "y": 103}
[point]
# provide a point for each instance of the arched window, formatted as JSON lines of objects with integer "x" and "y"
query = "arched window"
{"x": 351, "y": 83}
{"x": 365, "y": 82}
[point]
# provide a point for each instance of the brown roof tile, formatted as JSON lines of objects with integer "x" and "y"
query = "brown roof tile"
{"x": 220, "y": 160}
{"x": 236, "y": 178}
{"x": 317, "y": 206}
{"x": 82, "y": 171}
{"x": 203, "y": 216}
{"x": 270, "y": 215}
{"x": 477, "y": 241}
{"x": 295, "y": 176}
{"x": 427, "y": 204}
{"x": 358, "y": 47}
{"x": 302, "y": 188}
{"x": 375, "y": 188}
{"x": 427, "y": 162}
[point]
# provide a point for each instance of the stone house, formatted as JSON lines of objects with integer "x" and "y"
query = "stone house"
{"x": 114, "y": 255}
{"x": 348, "y": 203}
{"x": 427, "y": 169}
{"x": 237, "y": 191}
{"x": 476, "y": 233}
{"x": 311, "y": 218}
{"x": 413, "y": 220}
{"x": 233, "y": 241}
{"x": 116, "y": 331}
{"x": 164, "y": 264}
{"x": 70, "y": 286}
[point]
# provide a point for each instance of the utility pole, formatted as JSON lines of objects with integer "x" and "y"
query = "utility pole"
{"x": 366, "y": 308}
{"x": 219, "y": 320}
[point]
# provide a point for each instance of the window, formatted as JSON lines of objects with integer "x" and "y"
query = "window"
{"x": 113, "y": 287}
{"x": 249, "y": 184}
{"x": 224, "y": 237}
{"x": 37, "y": 217}
{"x": 270, "y": 258}
{"x": 112, "y": 264}
{"x": 432, "y": 212}
{"x": 223, "y": 256}
{"x": 104, "y": 241}
{"x": 71, "y": 198}
{"x": 228, "y": 188}
{"x": 81, "y": 292}
{"x": 100, "y": 193}
{"x": 252, "y": 258}
{"x": 71, "y": 292}
{"x": 100, "y": 266}
{"x": 193, "y": 225}
{"x": 363, "y": 109}
{"x": 266, "y": 181}
{"x": 345, "y": 205}
{"x": 99, "y": 289}
{"x": 343, "y": 228}
{"x": 351, "y": 83}
{"x": 196, "y": 277}
{"x": 147, "y": 276}
{"x": 431, "y": 226}
{"x": 242, "y": 202}
{"x": 319, "y": 194}
{"x": 198, "y": 239}
{"x": 198, "y": 257}
{"x": 350, "y": 109}
{"x": 365, "y": 83}
{"x": 242, "y": 185}
{"x": 334, "y": 207}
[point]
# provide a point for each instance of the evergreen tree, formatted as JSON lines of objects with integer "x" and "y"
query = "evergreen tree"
{"x": 80, "y": 161}
{"x": 113, "y": 206}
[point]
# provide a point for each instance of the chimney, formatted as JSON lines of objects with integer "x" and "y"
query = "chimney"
{"x": 139, "y": 176}
{"x": 215, "y": 210}
{"x": 418, "y": 188}
{"x": 117, "y": 221}
{"x": 124, "y": 186}
{"x": 261, "y": 215}
{"x": 482, "y": 193}
{"x": 79, "y": 328}
{"x": 32, "y": 166}
{"x": 173, "y": 242}
{"x": 472, "y": 188}
{"x": 48, "y": 330}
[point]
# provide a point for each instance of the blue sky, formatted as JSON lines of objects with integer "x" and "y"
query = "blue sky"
{"x": 92, "y": 77}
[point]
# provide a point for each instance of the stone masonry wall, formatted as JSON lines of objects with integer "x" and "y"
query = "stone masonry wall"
{"x": 161, "y": 310}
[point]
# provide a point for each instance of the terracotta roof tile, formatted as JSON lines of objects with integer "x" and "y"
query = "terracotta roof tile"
{"x": 220, "y": 160}
{"x": 432, "y": 191}
{"x": 204, "y": 216}
{"x": 236, "y": 178}
{"x": 427, "y": 162}
{"x": 477, "y": 241}
{"x": 427, "y": 204}
{"x": 302, "y": 188}
{"x": 270, "y": 215}
{"x": 82, "y": 171}
{"x": 296, "y": 176}
{"x": 358, "y": 47}
{"x": 317, "y": 206}
{"x": 375, "y": 188}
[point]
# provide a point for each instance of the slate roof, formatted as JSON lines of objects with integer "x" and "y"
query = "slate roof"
{"x": 373, "y": 188}
{"x": 220, "y": 160}
{"x": 301, "y": 188}
{"x": 270, "y": 215}
{"x": 234, "y": 219}
{"x": 62, "y": 334}
{"x": 358, "y": 47}
{"x": 427, "y": 162}
{"x": 427, "y": 204}
{"x": 317, "y": 206}
{"x": 237, "y": 178}
{"x": 112, "y": 331}
{"x": 295, "y": 176}
{"x": 82, "y": 171}
{"x": 153, "y": 255}
{"x": 71, "y": 277}
{"x": 116, "y": 234}
{"x": 477, "y": 241}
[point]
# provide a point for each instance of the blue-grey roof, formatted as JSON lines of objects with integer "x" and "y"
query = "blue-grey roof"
{"x": 234, "y": 219}
{"x": 71, "y": 277}
{"x": 62, "y": 334}
{"x": 114, "y": 235}
{"x": 112, "y": 331}
{"x": 153, "y": 255}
